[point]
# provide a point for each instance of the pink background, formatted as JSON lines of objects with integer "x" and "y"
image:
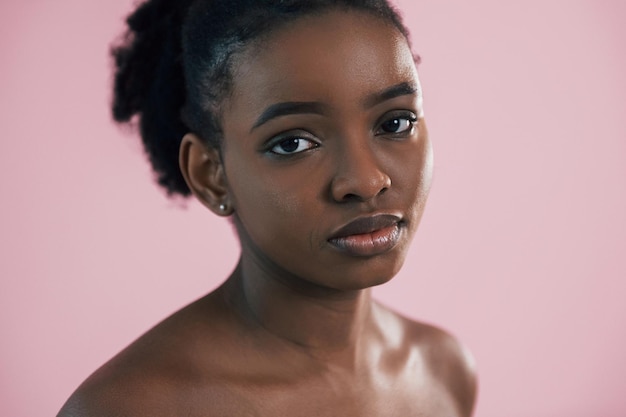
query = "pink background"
{"x": 521, "y": 251}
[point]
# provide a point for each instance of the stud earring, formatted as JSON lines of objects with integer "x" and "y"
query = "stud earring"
{"x": 222, "y": 207}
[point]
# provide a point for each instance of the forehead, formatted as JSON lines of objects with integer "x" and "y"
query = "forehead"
{"x": 337, "y": 58}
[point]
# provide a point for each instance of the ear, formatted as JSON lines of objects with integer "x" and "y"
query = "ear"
{"x": 203, "y": 171}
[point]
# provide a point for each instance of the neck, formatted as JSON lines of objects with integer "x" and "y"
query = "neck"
{"x": 326, "y": 323}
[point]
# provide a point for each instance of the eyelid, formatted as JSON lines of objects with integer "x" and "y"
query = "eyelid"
{"x": 398, "y": 114}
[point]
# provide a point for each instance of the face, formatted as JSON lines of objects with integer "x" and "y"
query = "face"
{"x": 325, "y": 153}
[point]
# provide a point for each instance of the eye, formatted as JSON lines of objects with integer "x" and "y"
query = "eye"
{"x": 399, "y": 124}
{"x": 292, "y": 145}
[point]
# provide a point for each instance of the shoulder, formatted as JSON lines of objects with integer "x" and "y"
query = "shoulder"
{"x": 444, "y": 357}
{"x": 124, "y": 386}
{"x": 152, "y": 376}
{"x": 452, "y": 364}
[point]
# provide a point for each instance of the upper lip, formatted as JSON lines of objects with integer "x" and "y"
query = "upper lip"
{"x": 368, "y": 224}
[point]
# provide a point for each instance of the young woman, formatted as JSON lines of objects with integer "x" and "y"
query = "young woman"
{"x": 300, "y": 121}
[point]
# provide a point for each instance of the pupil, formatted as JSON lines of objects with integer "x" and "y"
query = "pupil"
{"x": 289, "y": 145}
{"x": 392, "y": 125}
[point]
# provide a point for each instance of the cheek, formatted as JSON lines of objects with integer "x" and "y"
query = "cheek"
{"x": 267, "y": 202}
{"x": 425, "y": 160}
{"x": 413, "y": 175}
{"x": 426, "y": 170}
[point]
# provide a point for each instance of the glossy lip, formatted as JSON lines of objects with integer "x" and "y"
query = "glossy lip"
{"x": 368, "y": 236}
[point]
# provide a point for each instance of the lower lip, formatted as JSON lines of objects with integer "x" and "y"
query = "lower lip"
{"x": 369, "y": 244}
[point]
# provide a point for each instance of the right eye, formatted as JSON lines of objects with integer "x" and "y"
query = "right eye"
{"x": 292, "y": 145}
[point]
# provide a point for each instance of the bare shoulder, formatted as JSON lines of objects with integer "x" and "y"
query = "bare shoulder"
{"x": 117, "y": 389}
{"x": 157, "y": 375}
{"x": 451, "y": 362}
{"x": 445, "y": 357}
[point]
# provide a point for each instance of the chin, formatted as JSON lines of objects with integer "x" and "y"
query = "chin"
{"x": 362, "y": 284}
{"x": 363, "y": 273}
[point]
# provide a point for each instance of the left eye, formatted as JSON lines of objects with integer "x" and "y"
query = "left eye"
{"x": 398, "y": 124}
{"x": 292, "y": 146}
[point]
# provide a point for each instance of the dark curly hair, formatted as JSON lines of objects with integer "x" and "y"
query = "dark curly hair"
{"x": 172, "y": 66}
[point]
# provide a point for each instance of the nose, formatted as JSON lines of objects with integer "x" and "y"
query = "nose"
{"x": 359, "y": 175}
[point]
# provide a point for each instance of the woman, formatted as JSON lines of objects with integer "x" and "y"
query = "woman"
{"x": 300, "y": 121}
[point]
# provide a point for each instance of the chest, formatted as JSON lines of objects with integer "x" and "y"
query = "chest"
{"x": 419, "y": 399}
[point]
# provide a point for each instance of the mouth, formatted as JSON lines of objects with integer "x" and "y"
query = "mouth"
{"x": 368, "y": 236}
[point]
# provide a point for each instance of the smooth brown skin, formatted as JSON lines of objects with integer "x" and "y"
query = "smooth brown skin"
{"x": 293, "y": 331}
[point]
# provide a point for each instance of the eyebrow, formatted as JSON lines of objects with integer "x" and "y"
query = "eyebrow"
{"x": 398, "y": 90}
{"x": 287, "y": 108}
{"x": 314, "y": 107}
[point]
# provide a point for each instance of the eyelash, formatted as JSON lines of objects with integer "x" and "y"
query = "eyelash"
{"x": 274, "y": 144}
{"x": 409, "y": 117}
{"x": 283, "y": 141}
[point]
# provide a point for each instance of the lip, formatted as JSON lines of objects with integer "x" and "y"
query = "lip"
{"x": 368, "y": 236}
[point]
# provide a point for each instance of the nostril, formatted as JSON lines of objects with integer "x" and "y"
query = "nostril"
{"x": 357, "y": 197}
{"x": 351, "y": 197}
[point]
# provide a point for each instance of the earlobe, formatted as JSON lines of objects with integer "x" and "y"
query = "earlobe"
{"x": 203, "y": 171}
